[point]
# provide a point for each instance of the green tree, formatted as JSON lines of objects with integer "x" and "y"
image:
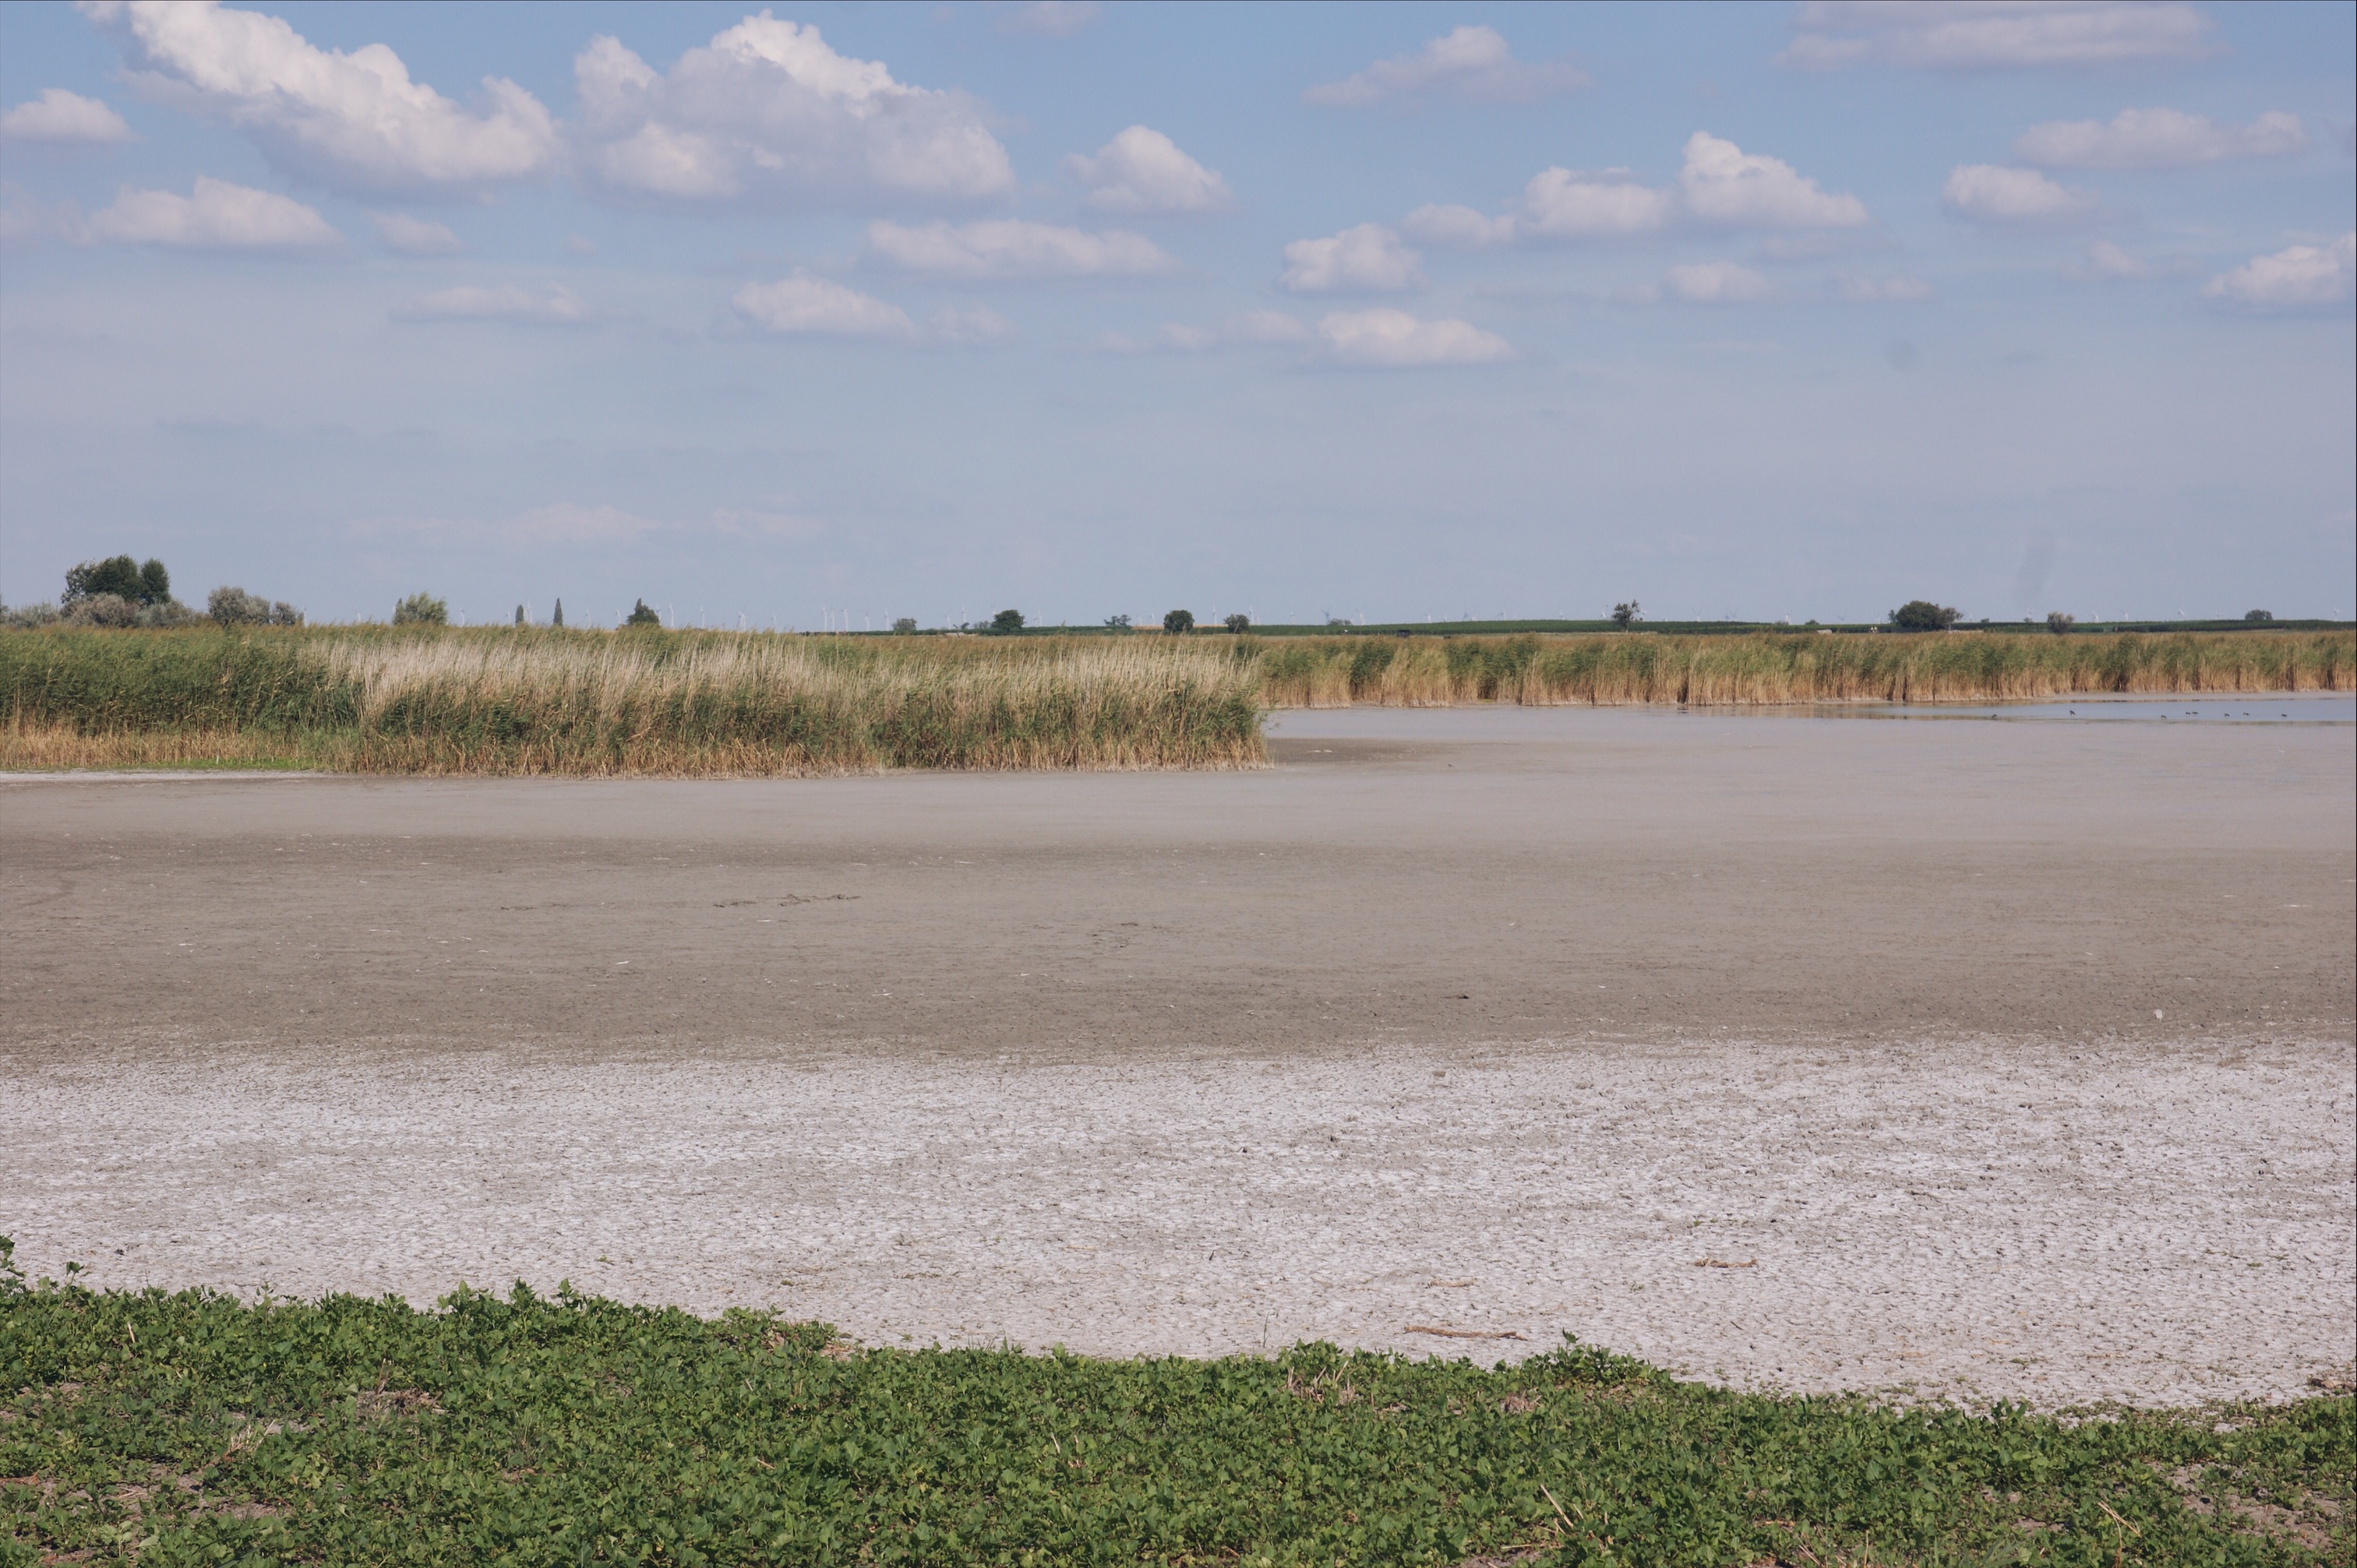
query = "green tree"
{"x": 2059, "y": 623}
{"x": 1627, "y": 615}
{"x": 519, "y": 614}
{"x": 117, "y": 575}
{"x": 1922, "y": 615}
{"x": 558, "y": 618}
{"x": 1238, "y": 623}
{"x": 154, "y": 583}
{"x": 1005, "y": 623}
{"x": 2258, "y": 615}
{"x": 421, "y": 609}
{"x": 904, "y": 626}
{"x": 1116, "y": 623}
{"x": 641, "y": 614}
{"x": 1178, "y": 620}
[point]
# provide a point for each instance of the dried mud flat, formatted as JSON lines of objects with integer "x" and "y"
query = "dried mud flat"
{"x": 1985, "y": 1060}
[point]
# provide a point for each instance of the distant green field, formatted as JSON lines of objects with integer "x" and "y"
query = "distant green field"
{"x": 192, "y": 1429}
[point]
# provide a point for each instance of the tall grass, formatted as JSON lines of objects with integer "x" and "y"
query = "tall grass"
{"x": 587, "y": 703}
{"x": 493, "y": 700}
{"x": 1622, "y": 669}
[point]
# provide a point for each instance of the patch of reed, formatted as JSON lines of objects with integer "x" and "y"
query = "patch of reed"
{"x": 494, "y": 701}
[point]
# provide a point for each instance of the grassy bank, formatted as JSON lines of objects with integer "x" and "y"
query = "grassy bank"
{"x": 499, "y": 700}
{"x": 192, "y": 1429}
{"x": 495, "y": 700}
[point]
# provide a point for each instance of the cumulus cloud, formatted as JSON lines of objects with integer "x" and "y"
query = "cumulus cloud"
{"x": 1717, "y": 283}
{"x": 1722, "y": 184}
{"x": 2106, "y": 262}
{"x": 555, "y": 307}
{"x": 1364, "y": 259}
{"x": 2156, "y": 138}
{"x": 415, "y": 236}
{"x": 1900, "y": 290}
{"x": 1393, "y": 339}
{"x": 1472, "y": 62}
{"x": 1990, "y": 35}
{"x": 2012, "y": 198}
{"x": 216, "y": 216}
{"x": 57, "y": 116}
{"x": 2300, "y": 276}
{"x": 352, "y": 122}
{"x": 768, "y": 114}
{"x": 1046, "y": 19}
{"x": 1142, "y": 170}
{"x": 1719, "y": 186}
{"x": 1008, "y": 248}
{"x": 968, "y": 326}
{"x": 1248, "y": 330}
{"x": 805, "y": 305}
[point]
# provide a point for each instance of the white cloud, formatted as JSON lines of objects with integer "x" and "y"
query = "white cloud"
{"x": 1046, "y": 19}
{"x": 1719, "y": 186}
{"x": 1722, "y": 184}
{"x": 1459, "y": 227}
{"x": 803, "y": 304}
{"x": 2012, "y": 198}
{"x": 768, "y": 113}
{"x": 1900, "y": 290}
{"x": 1366, "y": 258}
{"x": 2156, "y": 138}
{"x": 1717, "y": 283}
{"x": 2290, "y": 279}
{"x": 1983, "y": 35}
{"x": 1393, "y": 339}
{"x": 57, "y": 116}
{"x": 558, "y": 307}
{"x": 969, "y": 327}
{"x": 352, "y": 121}
{"x": 415, "y": 236}
{"x": 2106, "y": 262}
{"x": 1568, "y": 204}
{"x": 1007, "y": 248}
{"x": 1142, "y": 170}
{"x": 1472, "y": 62}
{"x": 217, "y": 216}
{"x": 1250, "y": 329}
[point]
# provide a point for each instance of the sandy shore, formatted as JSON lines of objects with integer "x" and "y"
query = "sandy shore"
{"x": 2012, "y": 1060}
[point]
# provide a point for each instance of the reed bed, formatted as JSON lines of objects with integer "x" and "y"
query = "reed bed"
{"x": 493, "y": 700}
{"x": 593, "y": 704}
{"x": 1617, "y": 669}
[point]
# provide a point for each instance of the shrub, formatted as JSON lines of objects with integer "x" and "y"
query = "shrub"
{"x": 1005, "y": 623}
{"x": 25, "y": 618}
{"x": 1922, "y": 615}
{"x": 121, "y": 577}
{"x": 421, "y": 609}
{"x": 1238, "y": 623}
{"x": 905, "y": 625}
{"x": 641, "y": 614}
{"x": 1178, "y": 620}
{"x": 235, "y": 606}
{"x": 1626, "y": 615}
{"x": 2258, "y": 615}
{"x": 101, "y": 609}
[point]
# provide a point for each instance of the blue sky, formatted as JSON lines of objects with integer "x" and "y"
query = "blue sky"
{"x": 1392, "y": 312}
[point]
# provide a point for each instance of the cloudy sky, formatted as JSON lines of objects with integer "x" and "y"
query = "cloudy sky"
{"x": 820, "y": 311}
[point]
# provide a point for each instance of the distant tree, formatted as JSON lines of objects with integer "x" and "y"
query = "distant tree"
{"x": 117, "y": 575}
{"x": 235, "y": 606}
{"x": 1238, "y": 623}
{"x": 421, "y": 609}
{"x": 1626, "y": 615}
{"x": 519, "y": 614}
{"x": 557, "y": 616}
{"x": 1005, "y": 623}
{"x": 284, "y": 613}
{"x": 2258, "y": 615}
{"x": 1178, "y": 620}
{"x": 1116, "y": 623}
{"x": 1922, "y": 615}
{"x": 2059, "y": 623}
{"x": 905, "y": 625}
{"x": 641, "y": 614}
{"x": 155, "y": 583}
{"x": 1337, "y": 620}
{"x": 102, "y": 610}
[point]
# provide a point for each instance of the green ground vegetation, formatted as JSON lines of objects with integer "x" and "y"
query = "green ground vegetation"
{"x": 190, "y": 1428}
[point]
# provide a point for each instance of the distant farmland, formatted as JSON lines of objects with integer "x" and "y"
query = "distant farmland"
{"x": 508, "y": 701}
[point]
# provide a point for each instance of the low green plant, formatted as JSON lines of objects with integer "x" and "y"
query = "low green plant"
{"x": 192, "y": 1428}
